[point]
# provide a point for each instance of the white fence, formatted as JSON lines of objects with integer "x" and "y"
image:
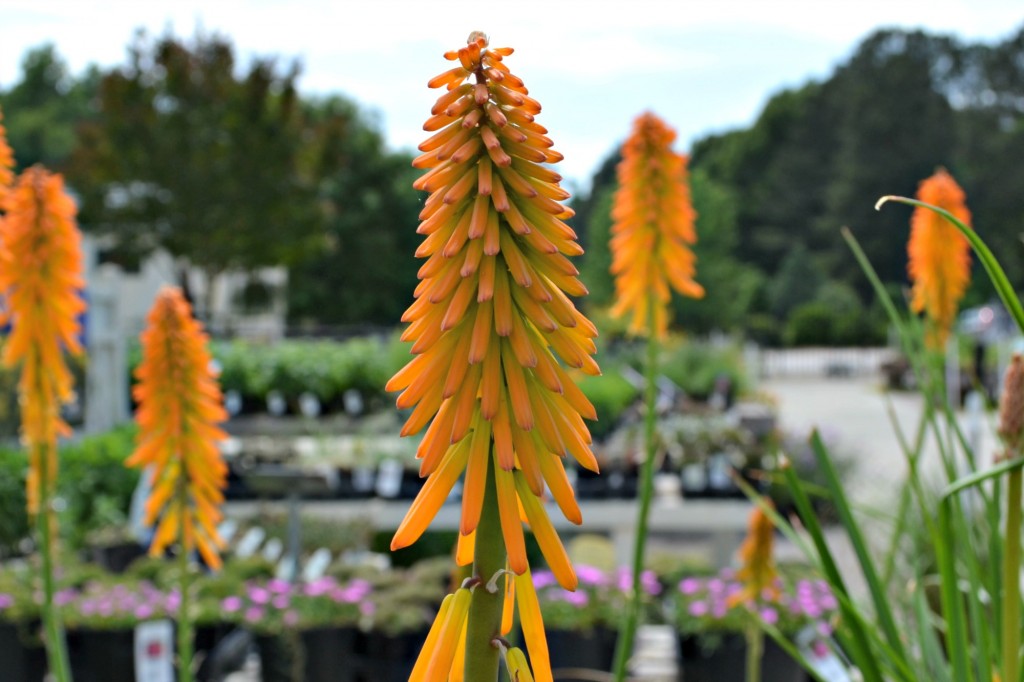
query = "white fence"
{"x": 810, "y": 362}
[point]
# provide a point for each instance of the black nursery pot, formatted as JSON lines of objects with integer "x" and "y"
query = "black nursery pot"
{"x": 330, "y": 654}
{"x": 22, "y": 657}
{"x": 118, "y": 557}
{"x": 590, "y": 486}
{"x": 389, "y": 658}
{"x": 102, "y": 655}
{"x": 581, "y": 650}
{"x": 728, "y": 660}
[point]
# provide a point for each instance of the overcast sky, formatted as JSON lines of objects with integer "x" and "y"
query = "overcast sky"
{"x": 703, "y": 65}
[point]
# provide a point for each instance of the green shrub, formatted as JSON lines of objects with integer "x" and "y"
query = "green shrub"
{"x": 610, "y": 394}
{"x": 811, "y": 324}
{"x": 695, "y": 367}
{"x": 325, "y": 368}
{"x": 93, "y": 482}
{"x": 764, "y": 330}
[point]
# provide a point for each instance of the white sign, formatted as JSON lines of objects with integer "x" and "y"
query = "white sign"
{"x": 821, "y": 656}
{"x": 154, "y": 651}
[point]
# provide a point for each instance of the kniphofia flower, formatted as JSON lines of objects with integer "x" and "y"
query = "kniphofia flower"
{"x": 41, "y": 277}
{"x": 757, "y": 573}
{"x": 940, "y": 258}
{"x": 180, "y": 406}
{"x": 6, "y": 164}
{"x": 653, "y": 227}
{"x": 492, "y": 322}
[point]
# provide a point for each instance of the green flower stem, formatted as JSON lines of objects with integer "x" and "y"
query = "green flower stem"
{"x": 1011, "y": 579}
{"x": 185, "y": 629}
{"x": 484, "y": 624}
{"x": 56, "y": 647}
{"x": 624, "y": 647}
{"x": 755, "y": 649}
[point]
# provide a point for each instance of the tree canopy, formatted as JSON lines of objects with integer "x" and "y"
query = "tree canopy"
{"x": 191, "y": 153}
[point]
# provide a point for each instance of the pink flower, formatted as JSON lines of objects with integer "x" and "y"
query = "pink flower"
{"x": 259, "y": 595}
{"x": 278, "y": 586}
{"x": 231, "y": 604}
{"x": 589, "y": 575}
{"x": 577, "y": 598}
{"x": 689, "y": 585}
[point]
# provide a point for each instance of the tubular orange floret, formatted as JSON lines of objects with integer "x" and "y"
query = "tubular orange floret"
{"x": 180, "y": 406}
{"x": 443, "y": 653}
{"x": 653, "y": 226}
{"x": 41, "y": 277}
{"x": 939, "y": 255}
{"x": 492, "y": 323}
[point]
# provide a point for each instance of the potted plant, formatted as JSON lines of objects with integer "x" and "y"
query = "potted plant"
{"x": 582, "y": 626}
{"x": 304, "y": 631}
{"x": 711, "y": 622}
{"x": 399, "y": 615}
{"x": 101, "y": 620}
{"x": 21, "y": 647}
{"x": 113, "y": 548}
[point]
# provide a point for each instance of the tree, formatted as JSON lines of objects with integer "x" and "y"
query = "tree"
{"x": 895, "y": 130}
{"x": 188, "y": 155}
{"x": 728, "y": 284}
{"x": 364, "y": 275}
{"x": 597, "y": 259}
{"x": 42, "y": 110}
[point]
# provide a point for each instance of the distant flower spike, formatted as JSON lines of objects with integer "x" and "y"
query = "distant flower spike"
{"x": 758, "y": 573}
{"x": 653, "y": 227}
{"x": 940, "y": 260}
{"x": 493, "y": 322}
{"x": 1011, "y": 408}
{"x": 180, "y": 406}
{"x": 41, "y": 277}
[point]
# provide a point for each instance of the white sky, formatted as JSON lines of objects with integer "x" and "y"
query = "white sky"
{"x": 703, "y": 65}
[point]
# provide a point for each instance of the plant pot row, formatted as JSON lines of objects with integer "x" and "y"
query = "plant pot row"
{"x": 338, "y": 655}
{"x": 347, "y": 655}
{"x": 95, "y": 655}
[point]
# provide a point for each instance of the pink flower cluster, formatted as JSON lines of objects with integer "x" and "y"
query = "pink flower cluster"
{"x": 714, "y": 600}
{"x": 265, "y": 602}
{"x": 141, "y": 602}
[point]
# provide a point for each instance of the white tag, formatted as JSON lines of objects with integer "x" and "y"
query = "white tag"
{"x": 822, "y": 657}
{"x": 154, "y": 651}
{"x": 389, "y": 478}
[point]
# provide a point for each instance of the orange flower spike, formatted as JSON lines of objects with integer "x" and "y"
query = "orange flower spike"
{"x": 180, "y": 406}
{"x": 653, "y": 227}
{"x": 492, "y": 324}
{"x": 41, "y": 277}
{"x": 6, "y": 165}
{"x": 940, "y": 256}
{"x": 758, "y": 573}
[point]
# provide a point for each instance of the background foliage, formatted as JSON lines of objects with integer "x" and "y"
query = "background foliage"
{"x": 278, "y": 177}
